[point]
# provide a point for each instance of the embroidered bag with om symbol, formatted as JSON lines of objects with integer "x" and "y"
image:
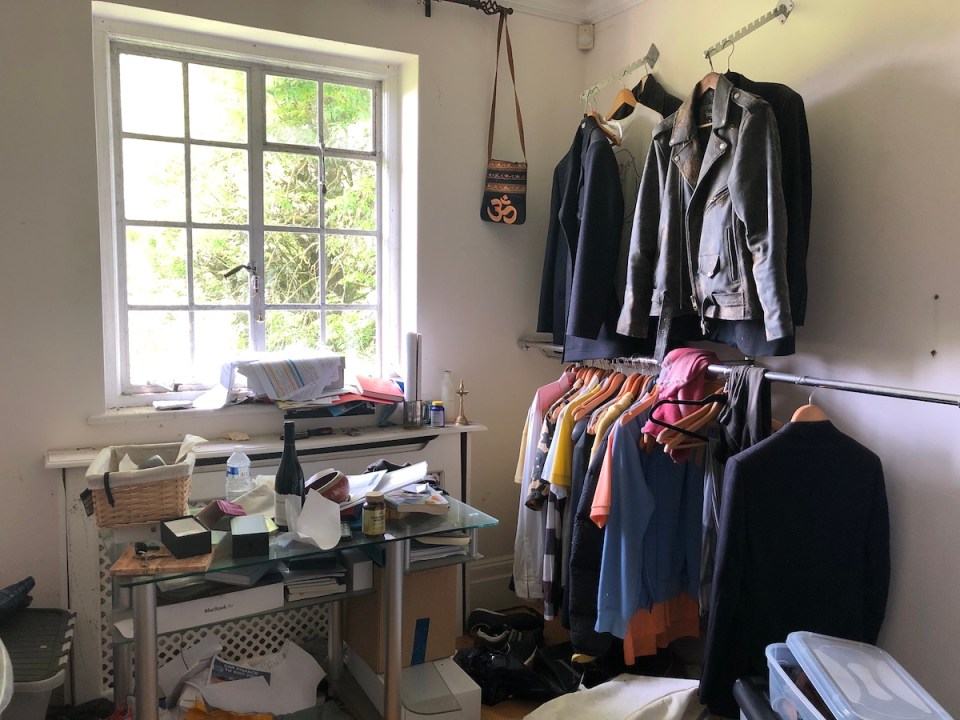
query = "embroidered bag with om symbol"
{"x": 505, "y": 191}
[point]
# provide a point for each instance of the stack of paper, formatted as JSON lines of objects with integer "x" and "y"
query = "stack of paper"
{"x": 312, "y": 578}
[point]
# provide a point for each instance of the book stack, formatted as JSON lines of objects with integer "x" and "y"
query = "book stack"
{"x": 419, "y": 498}
{"x": 312, "y": 578}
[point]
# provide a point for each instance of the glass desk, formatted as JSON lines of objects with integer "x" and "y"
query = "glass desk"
{"x": 144, "y": 598}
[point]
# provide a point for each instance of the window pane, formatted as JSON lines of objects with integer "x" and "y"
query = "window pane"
{"x": 353, "y": 333}
{"x": 218, "y": 184}
{"x": 292, "y": 115}
{"x": 351, "y": 199}
{"x": 151, "y": 92}
{"x": 347, "y": 117}
{"x": 220, "y": 335}
{"x": 218, "y": 104}
{"x": 215, "y": 252}
{"x": 153, "y": 180}
{"x": 293, "y": 330}
{"x": 159, "y": 347}
{"x": 351, "y": 270}
{"x": 156, "y": 266}
{"x": 292, "y": 266}
{"x": 291, "y": 189}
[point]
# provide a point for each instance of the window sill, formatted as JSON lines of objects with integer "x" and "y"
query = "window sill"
{"x": 117, "y": 416}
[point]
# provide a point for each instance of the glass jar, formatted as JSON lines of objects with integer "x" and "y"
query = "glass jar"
{"x": 374, "y": 514}
{"x": 437, "y": 414}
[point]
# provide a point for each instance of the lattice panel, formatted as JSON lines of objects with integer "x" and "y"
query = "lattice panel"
{"x": 241, "y": 639}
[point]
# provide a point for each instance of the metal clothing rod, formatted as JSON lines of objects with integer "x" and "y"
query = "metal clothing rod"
{"x": 490, "y": 7}
{"x": 650, "y": 59}
{"x": 782, "y": 11}
{"x": 556, "y": 351}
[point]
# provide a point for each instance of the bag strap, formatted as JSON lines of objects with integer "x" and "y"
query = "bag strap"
{"x": 493, "y": 105}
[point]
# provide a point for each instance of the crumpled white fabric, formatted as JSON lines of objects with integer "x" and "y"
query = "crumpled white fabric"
{"x": 627, "y": 697}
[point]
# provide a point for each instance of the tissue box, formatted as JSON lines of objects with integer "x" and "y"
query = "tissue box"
{"x": 185, "y": 537}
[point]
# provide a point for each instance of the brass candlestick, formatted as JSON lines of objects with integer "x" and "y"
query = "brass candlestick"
{"x": 461, "y": 418}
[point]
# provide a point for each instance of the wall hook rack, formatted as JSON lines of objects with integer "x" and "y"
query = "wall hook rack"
{"x": 489, "y": 7}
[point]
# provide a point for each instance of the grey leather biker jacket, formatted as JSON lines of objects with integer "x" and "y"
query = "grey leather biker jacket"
{"x": 709, "y": 230}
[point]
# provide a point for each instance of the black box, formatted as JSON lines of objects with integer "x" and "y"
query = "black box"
{"x": 250, "y": 535}
{"x": 185, "y": 537}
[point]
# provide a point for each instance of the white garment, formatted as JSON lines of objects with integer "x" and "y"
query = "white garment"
{"x": 528, "y": 545}
{"x": 627, "y": 697}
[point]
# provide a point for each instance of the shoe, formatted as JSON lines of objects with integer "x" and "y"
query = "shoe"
{"x": 496, "y": 624}
{"x": 523, "y": 645}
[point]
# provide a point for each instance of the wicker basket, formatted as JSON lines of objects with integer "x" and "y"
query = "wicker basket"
{"x": 138, "y": 497}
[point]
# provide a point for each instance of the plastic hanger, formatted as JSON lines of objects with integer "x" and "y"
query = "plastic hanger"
{"x": 611, "y": 384}
{"x": 718, "y": 398}
{"x": 641, "y": 405}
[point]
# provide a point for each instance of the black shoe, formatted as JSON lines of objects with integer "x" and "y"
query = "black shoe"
{"x": 523, "y": 645}
{"x": 495, "y": 625}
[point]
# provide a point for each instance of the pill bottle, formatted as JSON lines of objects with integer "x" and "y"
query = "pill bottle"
{"x": 374, "y": 514}
{"x": 437, "y": 414}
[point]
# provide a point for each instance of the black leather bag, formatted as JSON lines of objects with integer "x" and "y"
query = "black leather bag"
{"x": 505, "y": 189}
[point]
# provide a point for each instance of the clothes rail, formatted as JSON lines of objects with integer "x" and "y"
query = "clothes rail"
{"x": 650, "y": 59}
{"x": 488, "y": 6}
{"x": 556, "y": 351}
{"x": 782, "y": 11}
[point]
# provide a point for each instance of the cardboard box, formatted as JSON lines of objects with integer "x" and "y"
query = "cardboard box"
{"x": 438, "y": 690}
{"x": 429, "y": 629}
{"x": 213, "y": 609}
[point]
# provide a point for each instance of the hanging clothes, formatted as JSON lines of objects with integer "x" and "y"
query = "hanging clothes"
{"x": 804, "y": 544}
{"x": 709, "y": 233}
{"x": 651, "y": 508}
{"x": 528, "y": 545}
{"x": 578, "y": 300}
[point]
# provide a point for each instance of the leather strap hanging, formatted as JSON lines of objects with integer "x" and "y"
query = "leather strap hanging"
{"x": 505, "y": 191}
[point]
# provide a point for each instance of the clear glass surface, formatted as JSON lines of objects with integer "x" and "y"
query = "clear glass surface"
{"x": 460, "y": 517}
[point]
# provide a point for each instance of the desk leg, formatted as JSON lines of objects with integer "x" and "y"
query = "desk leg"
{"x": 335, "y": 644}
{"x": 391, "y": 684}
{"x": 145, "y": 649}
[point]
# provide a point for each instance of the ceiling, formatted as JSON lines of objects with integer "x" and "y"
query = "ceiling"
{"x": 572, "y": 11}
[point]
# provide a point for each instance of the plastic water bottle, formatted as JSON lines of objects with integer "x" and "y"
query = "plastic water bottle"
{"x": 238, "y": 474}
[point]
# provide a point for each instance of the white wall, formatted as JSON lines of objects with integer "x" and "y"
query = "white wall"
{"x": 882, "y": 93}
{"x": 882, "y": 90}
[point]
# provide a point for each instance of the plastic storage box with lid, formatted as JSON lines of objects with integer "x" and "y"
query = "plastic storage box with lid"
{"x": 856, "y": 681}
{"x": 38, "y": 641}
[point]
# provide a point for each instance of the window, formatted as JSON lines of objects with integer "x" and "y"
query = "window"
{"x": 247, "y": 209}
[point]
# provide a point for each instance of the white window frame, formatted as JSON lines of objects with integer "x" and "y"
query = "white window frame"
{"x": 216, "y": 39}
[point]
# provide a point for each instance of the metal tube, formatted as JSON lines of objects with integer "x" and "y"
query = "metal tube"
{"x": 554, "y": 350}
{"x": 394, "y": 578}
{"x": 145, "y": 649}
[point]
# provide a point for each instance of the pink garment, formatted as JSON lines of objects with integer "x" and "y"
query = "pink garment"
{"x": 682, "y": 376}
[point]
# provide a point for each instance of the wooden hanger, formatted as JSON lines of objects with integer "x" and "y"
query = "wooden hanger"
{"x": 809, "y": 412}
{"x": 681, "y": 441}
{"x": 624, "y": 99}
{"x": 719, "y": 398}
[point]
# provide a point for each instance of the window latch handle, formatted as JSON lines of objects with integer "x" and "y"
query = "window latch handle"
{"x": 249, "y": 268}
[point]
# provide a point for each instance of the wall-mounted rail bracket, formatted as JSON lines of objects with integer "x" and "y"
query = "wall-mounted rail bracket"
{"x": 781, "y": 11}
{"x": 489, "y": 7}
